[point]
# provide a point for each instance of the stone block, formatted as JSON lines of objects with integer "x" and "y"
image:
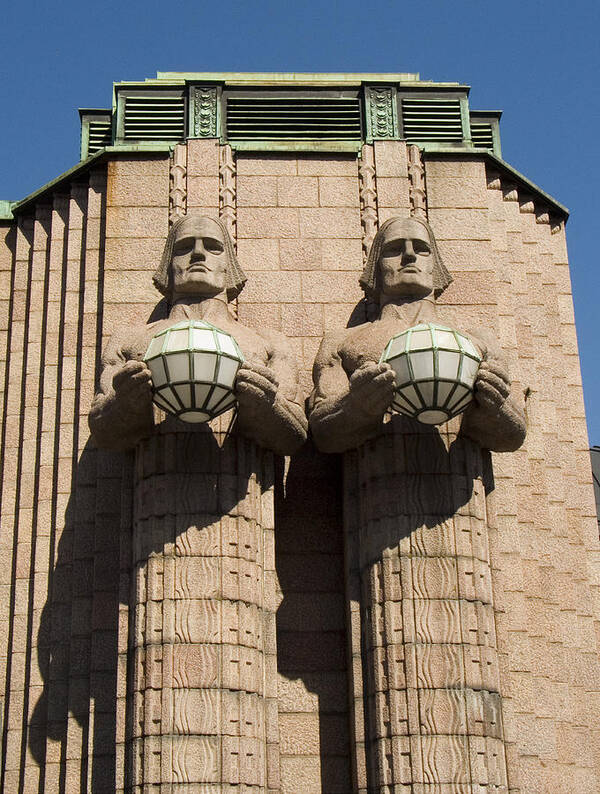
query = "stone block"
{"x": 266, "y": 287}
{"x": 136, "y": 221}
{"x": 297, "y": 191}
{"x": 299, "y": 734}
{"x": 269, "y": 222}
{"x": 258, "y": 254}
{"x": 330, "y": 222}
{"x": 254, "y": 164}
{"x": 392, "y": 191}
{"x": 460, "y": 224}
{"x": 390, "y": 159}
{"x": 300, "y": 254}
{"x": 302, "y": 319}
{"x": 318, "y": 289}
{"x": 256, "y": 191}
{"x": 202, "y": 191}
{"x": 146, "y": 165}
{"x": 138, "y": 190}
{"x": 340, "y": 191}
{"x": 202, "y": 158}
{"x": 260, "y": 315}
{"x": 327, "y": 165}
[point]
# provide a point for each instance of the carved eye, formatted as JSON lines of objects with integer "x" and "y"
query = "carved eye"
{"x": 183, "y": 245}
{"x": 421, "y": 247}
{"x": 213, "y": 246}
{"x": 393, "y": 248}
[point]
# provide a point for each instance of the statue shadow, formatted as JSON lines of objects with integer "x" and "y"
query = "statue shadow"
{"x": 79, "y": 724}
{"x": 418, "y": 480}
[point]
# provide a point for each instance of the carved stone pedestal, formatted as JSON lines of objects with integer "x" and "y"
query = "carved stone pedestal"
{"x": 424, "y": 662}
{"x": 203, "y": 657}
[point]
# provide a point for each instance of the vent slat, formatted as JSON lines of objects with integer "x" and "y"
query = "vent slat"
{"x": 154, "y": 118}
{"x": 99, "y": 136}
{"x": 432, "y": 120}
{"x": 298, "y": 118}
{"x": 482, "y": 136}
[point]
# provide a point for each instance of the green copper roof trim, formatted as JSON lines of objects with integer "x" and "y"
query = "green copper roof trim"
{"x": 85, "y": 165}
{"x": 295, "y": 146}
{"x": 431, "y": 151}
{"x": 6, "y": 210}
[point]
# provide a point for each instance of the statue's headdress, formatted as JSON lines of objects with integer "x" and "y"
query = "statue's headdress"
{"x": 235, "y": 277}
{"x": 368, "y": 279}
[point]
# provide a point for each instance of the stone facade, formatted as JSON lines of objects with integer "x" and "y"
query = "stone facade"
{"x": 77, "y": 264}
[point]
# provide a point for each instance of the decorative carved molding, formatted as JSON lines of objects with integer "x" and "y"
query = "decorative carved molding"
{"x": 178, "y": 182}
{"x": 227, "y": 189}
{"x": 382, "y": 112}
{"x": 542, "y": 216}
{"x": 416, "y": 178}
{"x": 494, "y": 181}
{"x": 368, "y": 198}
{"x": 526, "y": 204}
{"x": 510, "y": 192}
{"x": 204, "y": 116}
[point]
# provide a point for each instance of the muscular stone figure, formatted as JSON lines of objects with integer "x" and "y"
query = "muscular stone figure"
{"x": 198, "y": 274}
{"x": 202, "y": 681}
{"x": 424, "y": 676}
{"x": 404, "y": 274}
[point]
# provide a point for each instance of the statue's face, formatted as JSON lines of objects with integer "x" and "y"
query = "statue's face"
{"x": 406, "y": 261}
{"x": 199, "y": 263}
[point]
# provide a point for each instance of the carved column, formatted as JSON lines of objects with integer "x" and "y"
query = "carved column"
{"x": 204, "y": 708}
{"x": 424, "y": 666}
{"x": 178, "y": 182}
{"x": 416, "y": 178}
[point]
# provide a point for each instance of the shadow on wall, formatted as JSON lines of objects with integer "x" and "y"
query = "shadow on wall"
{"x": 78, "y": 721}
{"x": 72, "y": 733}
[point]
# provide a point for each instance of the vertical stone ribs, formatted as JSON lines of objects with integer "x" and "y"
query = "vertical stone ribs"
{"x": 204, "y": 686}
{"x": 368, "y": 198}
{"x": 416, "y": 179}
{"x": 227, "y": 197}
{"x": 178, "y": 182}
{"x": 420, "y": 572}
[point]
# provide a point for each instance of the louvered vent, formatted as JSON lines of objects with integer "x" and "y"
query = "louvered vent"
{"x": 154, "y": 118}
{"x": 431, "y": 119}
{"x": 481, "y": 134}
{"x": 289, "y": 117}
{"x": 99, "y": 135}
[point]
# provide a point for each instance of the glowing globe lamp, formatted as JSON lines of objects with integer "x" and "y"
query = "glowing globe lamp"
{"x": 435, "y": 370}
{"x": 193, "y": 366}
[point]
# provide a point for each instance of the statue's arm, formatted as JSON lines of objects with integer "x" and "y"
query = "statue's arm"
{"x": 496, "y": 417}
{"x": 344, "y": 412}
{"x": 121, "y": 413}
{"x": 270, "y": 404}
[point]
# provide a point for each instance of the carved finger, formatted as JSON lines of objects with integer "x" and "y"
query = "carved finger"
{"x": 261, "y": 370}
{"x": 128, "y": 370}
{"x": 493, "y": 381}
{"x": 488, "y": 395}
{"x": 496, "y": 367}
{"x": 247, "y": 379}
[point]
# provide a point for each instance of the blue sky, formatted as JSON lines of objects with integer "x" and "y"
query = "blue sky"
{"x": 537, "y": 61}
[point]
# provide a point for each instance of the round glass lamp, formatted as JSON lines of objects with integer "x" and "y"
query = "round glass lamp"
{"x": 193, "y": 365}
{"x": 435, "y": 370}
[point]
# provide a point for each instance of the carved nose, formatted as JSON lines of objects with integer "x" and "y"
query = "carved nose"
{"x": 199, "y": 252}
{"x": 408, "y": 254}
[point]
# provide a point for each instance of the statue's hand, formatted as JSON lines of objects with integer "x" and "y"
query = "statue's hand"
{"x": 254, "y": 384}
{"x": 133, "y": 387}
{"x": 492, "y": 385}
{"x": 371, "y": 388}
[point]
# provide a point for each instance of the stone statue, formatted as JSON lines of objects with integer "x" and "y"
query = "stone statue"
{"x": 404, "y": 274}
{"x": 202, "y": 680}
{"x": 198, "y": 274}
{"x": 418, "y": 514}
